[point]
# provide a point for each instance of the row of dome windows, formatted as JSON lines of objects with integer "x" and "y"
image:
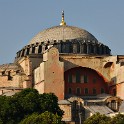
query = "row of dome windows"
{"x": 83, "y": 48}
{"x": 67, "y": 47}
{"x": 86, "y": 91}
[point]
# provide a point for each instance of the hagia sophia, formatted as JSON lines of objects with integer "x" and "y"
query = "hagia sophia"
{"x": 71, "y": 63}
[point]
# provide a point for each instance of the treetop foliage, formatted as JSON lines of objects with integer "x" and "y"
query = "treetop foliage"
{"x": 19, "y": 106}
{"x": 102, "y": 119}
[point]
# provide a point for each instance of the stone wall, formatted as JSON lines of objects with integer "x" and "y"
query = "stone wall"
{"x": 50, "y": 75}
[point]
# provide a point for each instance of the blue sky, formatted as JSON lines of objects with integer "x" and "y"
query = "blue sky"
{"x": 21, "y": 20}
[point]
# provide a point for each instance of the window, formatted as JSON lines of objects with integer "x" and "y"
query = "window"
{"x": 77, "y": 77}
{"x": 9, "y": 76}
{"x": 27, "y": 52}
{"x": 102, "y": 90}
{"x": 85, "y": 79}
{"x": 23, "y": 51}
{"x": 69, "y": 78}
{"x": 86, "y": 91}
{"x": 78, "y": 91}
{"x": 73, "y": 78}
{"x": 82, "y": 79}
{"x": 39, "y": 49}
{"x": 33, "y": 49}
{"x": 69, "y": 90}
{"x": 94, "y": 91}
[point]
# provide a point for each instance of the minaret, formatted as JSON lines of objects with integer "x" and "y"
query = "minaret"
{"x": 63, "y": 21}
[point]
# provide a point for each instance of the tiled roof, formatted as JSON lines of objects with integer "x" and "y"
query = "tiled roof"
{"x": 64, "y": 102}
{"x": 98, "y": 108}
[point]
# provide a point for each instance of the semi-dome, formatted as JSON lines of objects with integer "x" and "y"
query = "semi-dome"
{"x": 64, "y": 33}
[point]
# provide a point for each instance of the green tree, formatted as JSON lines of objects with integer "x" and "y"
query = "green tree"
{"x": 44, "y": 118}
{"x": 97, "y": 119}
{"x": 14, "y": 109}
{"x": 118, "y": 119}
{"x": 49, "y": 102}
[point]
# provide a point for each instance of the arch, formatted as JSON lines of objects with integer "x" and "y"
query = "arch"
{"x": 113, "y": 102}
{"x": 74, "y": 98}
{"x": 76, "y": 66}
{"x": 85, "y": 81}
{"x": 108, "y": 64}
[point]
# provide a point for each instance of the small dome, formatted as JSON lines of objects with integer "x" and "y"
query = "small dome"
{"x": 62, "y": 33}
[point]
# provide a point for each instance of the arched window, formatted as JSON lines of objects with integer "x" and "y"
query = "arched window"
{"x": 86, "y": 91}
{"x": 91, "y": 48}
{"x": 102, "y": 90}
{"x": 85, "y": 79}
{"x": 27, "y": 52}
{"x": 78, "y": 91}
{"x": 77, "y": 77}
{"x": 73, "y": 78}
{"x": 85, "y": 48}
{"x": 71, "y": 48}
{"x": 23, "y": 52}
{"x": 33, "y": 49}
{"x": 69, "y": 90}
{"x": 39, "y": 49}
{"x": 9, "y": 76}
{"x": 70, "y": 78}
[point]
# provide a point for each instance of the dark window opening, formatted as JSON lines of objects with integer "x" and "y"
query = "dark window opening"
{"x": 39, "y": 49}
{"x": 27, "y": 53}
{"x": 9, "y": 76}
{"x": 85, "y": 79}
{"x": 92, "y": 49}
{"x": 69, "y": 78}
{"x": 102, "y": 90}
{"x": 78, "y": 91}
{"x": 71, "y": 48}
{"x": 33, "y": 49}
{"x": 78, "y": 77}
{"x": 85, "y": 48}
{"x": 23, "y": 51}
{"x": 70, "y": 91}
{"x": 86, "y": 91}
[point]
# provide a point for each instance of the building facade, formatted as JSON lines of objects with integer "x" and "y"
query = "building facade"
{"x": 73, "y": 64}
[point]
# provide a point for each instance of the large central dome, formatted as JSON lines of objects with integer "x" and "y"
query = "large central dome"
{"x": 62, "y": 33}
{"x": 67, "y": 39}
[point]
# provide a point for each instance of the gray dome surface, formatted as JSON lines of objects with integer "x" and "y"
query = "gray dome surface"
{"x": 62, "y": 33}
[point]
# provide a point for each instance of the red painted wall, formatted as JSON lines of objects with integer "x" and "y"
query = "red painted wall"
{"x": 91, "y": 74}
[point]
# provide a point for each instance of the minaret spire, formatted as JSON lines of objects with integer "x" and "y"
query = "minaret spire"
{"x": 63, "y": 21}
